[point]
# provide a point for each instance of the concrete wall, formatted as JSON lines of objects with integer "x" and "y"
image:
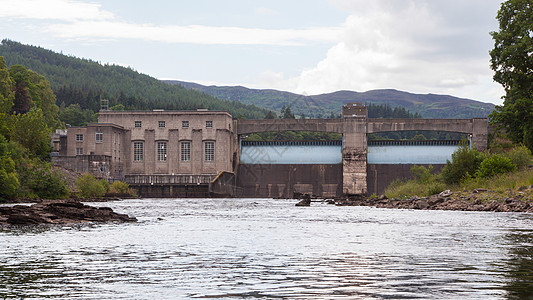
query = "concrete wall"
{"x": 275, "y": 181}
{"x": 268, "y": 125}
{"x": 197, "y": 133}
{"x": 380, "y": 176}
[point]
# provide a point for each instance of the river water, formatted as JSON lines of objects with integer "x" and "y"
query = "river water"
{"x": 264, "y": 248}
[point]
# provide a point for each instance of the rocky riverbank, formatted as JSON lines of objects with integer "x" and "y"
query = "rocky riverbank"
{"x": 59, "y": 212}
{"x": 520, "y": 200}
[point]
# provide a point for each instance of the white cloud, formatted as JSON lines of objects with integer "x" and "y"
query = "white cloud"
{"x": 86, "y": 21}
{"x": 413, "y": 45}
{"x": 265, "y": 11}
{"x": 52, "y": 10}
{"x": 193, "y": 34}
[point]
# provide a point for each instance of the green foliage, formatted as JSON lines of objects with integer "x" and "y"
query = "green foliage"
{"x": 422, "y": 174}
{"x": 512, "y": 65}
{"x": 35, "y": 90}
{"x": 118, "y": 107}
{"x": 496, "y": 164}
{"x": 30, "y": 130}
{"x": 9, "y": 182}
{"x": 85, "y": 82}
{"x": 500, "y": 182}
{"x": 74, "y": 115}
{"x": 121, "y": 188}
{"x": 27, "y": 114}
{"x": 429, "y": 106}
{"x": 423, "y": 184}
{"x": 90, "y": 186}
{"x": 286, "y": 112}
{"x": 465, "y": 162}
{"x": 520, "y": 156}
{"x": 47, "y": 184}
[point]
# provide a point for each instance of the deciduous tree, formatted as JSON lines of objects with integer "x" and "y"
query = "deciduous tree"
{"x": 512, "y": 62}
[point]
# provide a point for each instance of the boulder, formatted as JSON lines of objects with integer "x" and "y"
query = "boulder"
{"x": 306, "y": 201}
{"x": 59, "y": 212}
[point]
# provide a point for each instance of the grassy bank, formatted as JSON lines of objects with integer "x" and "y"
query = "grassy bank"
{"x": 501, "y": 173}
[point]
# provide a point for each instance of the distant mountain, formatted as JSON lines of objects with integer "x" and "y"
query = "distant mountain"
{"x": 85, "y": 82}
{"x": 429, "y": 106}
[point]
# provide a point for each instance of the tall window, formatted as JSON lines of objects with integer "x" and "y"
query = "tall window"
{"x": 209, "y": 151}
{"x": 208, "y": 124}
{"x": 161, "y": 151}
{"x": 138, "y": 151}
{"x": 138, "y": 124}
{"x": 99, "y": 137}
{"x": 185, "y": 151}
{"x": 79, "y": 151}
{"x": 79, "y": 137}
{"x": 185, "y": 124}
{"x": 161, "y": 124}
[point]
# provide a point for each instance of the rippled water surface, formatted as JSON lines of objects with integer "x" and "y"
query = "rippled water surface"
{"x": 263, "y": 248}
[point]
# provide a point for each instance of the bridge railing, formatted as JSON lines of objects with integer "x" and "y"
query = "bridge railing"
{"x": 168, "y": 179}
{"x": 370, "y": 143}
{"x": 415, "y": 142}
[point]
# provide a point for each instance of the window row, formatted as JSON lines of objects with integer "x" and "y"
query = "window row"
{"x": 185, "y": 151}
{"x": 99, "y": 137}
{"x": 184, "y": 124}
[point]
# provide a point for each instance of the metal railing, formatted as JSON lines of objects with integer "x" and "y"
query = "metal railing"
{"x": 168, "y": 179}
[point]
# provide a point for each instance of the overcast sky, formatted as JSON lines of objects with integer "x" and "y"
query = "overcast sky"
{"x": 304, "y": 46}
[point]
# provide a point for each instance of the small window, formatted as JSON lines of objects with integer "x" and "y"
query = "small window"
{"x": 209, "y": 151}
{"x": 208, "y": 124}
{"x": 161, "y": 124}
{"x": 185, "y": 124}
{"x": 79, "y": 151}
{"x": 79, "y": 137}
{"x": 185, "y": 151}
{"x": 99, "y": 137}
{"x": 161, "y": 151}
{"x": 138, "y": 124}
{"x": 138, "y": 151}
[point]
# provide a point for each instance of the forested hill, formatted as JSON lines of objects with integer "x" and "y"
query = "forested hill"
{"x": 428, "y": 106}
{"x": 83, "y": 81}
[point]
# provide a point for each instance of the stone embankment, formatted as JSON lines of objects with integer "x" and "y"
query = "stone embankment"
{"x": 59, "y": 212}
{"x": 476, "y": 200}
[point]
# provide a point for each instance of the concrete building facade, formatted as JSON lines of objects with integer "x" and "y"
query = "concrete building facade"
{"x": 152, "y": 143}
{"x": 175, "y": 153}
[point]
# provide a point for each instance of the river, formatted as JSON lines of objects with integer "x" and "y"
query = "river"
{"x": 265, "y": 248}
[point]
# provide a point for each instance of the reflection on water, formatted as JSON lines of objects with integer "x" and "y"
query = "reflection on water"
{"x": 263, "y": 248}
{"x": 519, "y": 264}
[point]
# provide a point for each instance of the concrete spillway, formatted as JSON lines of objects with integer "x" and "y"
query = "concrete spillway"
{"x": 291, "y": 153}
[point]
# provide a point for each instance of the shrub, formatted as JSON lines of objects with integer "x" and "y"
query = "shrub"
{"x": 119, "y": 187}
{"x": 520, "y": 156}
{"x": 421, "y": 173}
{"x": 47, "y": 184}
{"x": 90, "y": 187}
{"x": 496, "y": 164}
{"x": 464, "y": 161}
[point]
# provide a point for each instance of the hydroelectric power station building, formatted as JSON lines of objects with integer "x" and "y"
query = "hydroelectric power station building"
{"x": 198, "y": 153}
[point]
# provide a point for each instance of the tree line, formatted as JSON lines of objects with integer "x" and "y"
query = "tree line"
{"x": 85, "y": 82}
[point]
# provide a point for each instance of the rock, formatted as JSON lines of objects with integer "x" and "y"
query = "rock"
{"x": 478, "y": 191}
{"x": 330, "y": 201}
{"x": 306, "y": 201}
{"x": 446, "y": 193}
{"x": 59, "y": 212}
{"x": 522, "y": 188}
{"x": 422, "y": 204}
{"x": 382, "y": 197}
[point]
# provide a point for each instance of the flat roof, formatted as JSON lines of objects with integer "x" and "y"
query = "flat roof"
{"x": 164, "y": 112}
